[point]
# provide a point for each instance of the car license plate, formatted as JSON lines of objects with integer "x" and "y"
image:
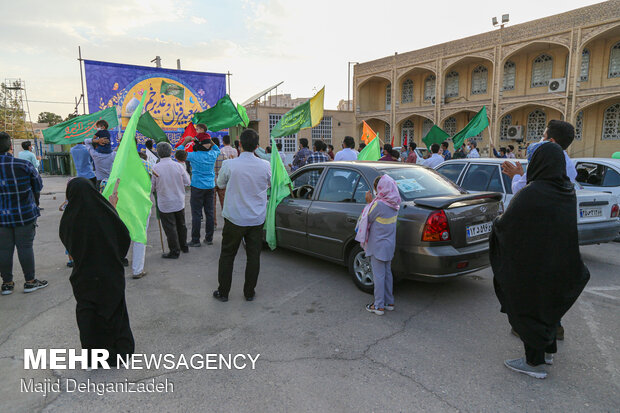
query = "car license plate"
{"x": 480, "y": 229}
{"x": 590, "y": 212}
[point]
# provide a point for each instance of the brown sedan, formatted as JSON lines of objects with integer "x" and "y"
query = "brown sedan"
{"x": 442, "y": 230}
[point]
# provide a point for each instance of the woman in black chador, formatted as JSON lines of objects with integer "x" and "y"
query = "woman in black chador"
{"x": 97, "y": 240}
{"x": 537, "y": 267}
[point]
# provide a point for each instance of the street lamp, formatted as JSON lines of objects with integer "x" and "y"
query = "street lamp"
{"x": 349, "y": 106}
{"x": 505, "y": 19}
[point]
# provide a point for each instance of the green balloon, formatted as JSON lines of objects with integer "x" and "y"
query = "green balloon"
{"x": 616, "y": 155}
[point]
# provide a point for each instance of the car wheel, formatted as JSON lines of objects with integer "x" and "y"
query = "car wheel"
{"x": 360, "y": 270}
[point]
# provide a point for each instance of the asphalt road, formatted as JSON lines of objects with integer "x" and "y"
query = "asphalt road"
{"x": 441, "y": 350}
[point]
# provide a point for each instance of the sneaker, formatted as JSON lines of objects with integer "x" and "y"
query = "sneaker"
{"x": 521, "y": 366}
{"x": 559, "y": 334}
{"x": 194, "y": 244}
{"x": 549, "y": 359}
{"x": 7, "y": 288}
{"x": 218, "y": 296}
{"x": 208, "y": 242}
{"x": 371, "y": 308}
{"x": 389, "y": 307}
{"x": 138, "y": 276}
{"x": 34, "y": 285}
{"x": 170, "y": 255}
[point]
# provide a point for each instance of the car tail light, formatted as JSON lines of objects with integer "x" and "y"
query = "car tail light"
{"x": 615, "y": 210}
{"x": 436, "y": 227}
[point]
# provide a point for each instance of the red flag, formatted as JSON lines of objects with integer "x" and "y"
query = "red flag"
{"x": 405, "y": 142}
{"x": 189, "y": 131}
{"x": 392, "y": 141}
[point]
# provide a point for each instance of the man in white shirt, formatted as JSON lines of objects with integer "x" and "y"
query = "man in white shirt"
{"x": 435, "y": 158}
{"x": 473, "y": 152}
{"x": 557, "y": 131}
{"x": 348, "y": 152}
{"x": 246, "y": 180}
{"x": 169, "y": 181}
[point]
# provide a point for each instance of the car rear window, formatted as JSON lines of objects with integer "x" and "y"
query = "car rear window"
{"x": 421, "y": 183}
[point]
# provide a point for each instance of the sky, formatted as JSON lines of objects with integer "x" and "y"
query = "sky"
{"x": 305, "y": 44}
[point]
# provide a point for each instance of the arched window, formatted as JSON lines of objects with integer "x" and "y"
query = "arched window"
{"x": 536, "y": 124}
{"x": 510, "y": 71}
{"x": 426, "y": 127}
{"x": 452, "y": 84}
{"x": 407, "y": 130}
{"x": 614, "y": 61}
{"x": 579, "y": 125}
{"x": 611, "y": 123}
{"x": 585, "y": 65}
{"x": 429, "y": 87}
{"x": 503, "y": 127}
{"x": 407, "y": 92}
{"x": 388, "y": 97}
{"x": 542, "y": 70}
{"x": 388, "y": 133}
{"x": 479, "y": 79}
{"x": 449, "y": 126}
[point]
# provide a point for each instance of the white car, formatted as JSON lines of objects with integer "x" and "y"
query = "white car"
{"x": 597, "y": 212}
{"x": 420, "y": 152}
{"x": 599, "y": 174}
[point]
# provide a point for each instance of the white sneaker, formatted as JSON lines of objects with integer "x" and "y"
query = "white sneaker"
{"x": 371, "y": 308}
{"x": 389, "y": 307}
{"x": 549, "y": 359}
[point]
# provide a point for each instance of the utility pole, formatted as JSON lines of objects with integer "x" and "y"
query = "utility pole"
{"x": 178, "y": 64}
{"x": 228, "y": 75}
{"x": 82, "y": 81}
{"x": 157, "y": 61}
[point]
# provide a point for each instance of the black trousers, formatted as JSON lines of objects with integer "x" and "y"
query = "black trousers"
{"x": 112, "y": 334}
{"x": 231, "y": 238}
{"x": 202, "y": 199}
{"x": 175, "y": 229}
{"x": 536, "y": 356}
{"x": 21, "y": 237}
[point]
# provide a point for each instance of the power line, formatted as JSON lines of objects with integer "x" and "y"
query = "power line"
{"x": 51, "y": 101}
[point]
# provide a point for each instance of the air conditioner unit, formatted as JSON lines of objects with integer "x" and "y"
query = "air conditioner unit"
{"x": 557, "y": 85}
{"x": 515, "y": 132}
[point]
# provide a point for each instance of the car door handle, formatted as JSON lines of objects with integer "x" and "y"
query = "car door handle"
{"x": 351, "y": 220}
{"x": 299, "y": 211}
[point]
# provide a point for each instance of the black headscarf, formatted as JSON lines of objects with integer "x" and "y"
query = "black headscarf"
{"x": 97, "y": 240}
{"x": 537, "y": 267}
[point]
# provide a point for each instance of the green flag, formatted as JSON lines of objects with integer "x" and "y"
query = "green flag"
{"x": 172, "y": 89}
{"x": 221, "y": 116}
{"x": 435, "y": 135}
{"x": 280, "y": 189}
{"x": 77, "y": 129}
{"x": 306, "y": 115}
{"x": 134, "y": 188}
{"x": 473, "y": 128}
{"x": 149, "y": 128}
{"x": 372, "y": 151}
{"x": 244, "y": 115}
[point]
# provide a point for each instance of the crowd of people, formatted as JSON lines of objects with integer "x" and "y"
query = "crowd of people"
{"x": 538, "y": 271}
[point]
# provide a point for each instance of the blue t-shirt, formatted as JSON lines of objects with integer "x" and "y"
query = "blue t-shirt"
{"x": 107, "y": 148}
{"x": 83, "y": 162}
{"x": 203, "y": 162}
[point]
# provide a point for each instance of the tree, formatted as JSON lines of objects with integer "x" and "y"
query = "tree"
{"x": 71, "y": 116}
{"x": 12, "y": 117}
{"x": 49, "y": 118}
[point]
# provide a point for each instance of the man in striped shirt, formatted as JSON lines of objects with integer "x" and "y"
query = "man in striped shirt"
{"x": 19, "y": 182}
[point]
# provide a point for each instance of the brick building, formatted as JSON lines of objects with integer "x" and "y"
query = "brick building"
{"x": 565, "y": 66}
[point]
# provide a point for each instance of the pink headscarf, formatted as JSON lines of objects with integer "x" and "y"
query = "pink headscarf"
{"x": 387, "y": 192}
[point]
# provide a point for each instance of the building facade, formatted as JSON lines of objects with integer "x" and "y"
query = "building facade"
{"x": 332, "y": 129}
{"x": 565, "y": 66}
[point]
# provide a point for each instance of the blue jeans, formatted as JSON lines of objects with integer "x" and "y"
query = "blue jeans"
{"x": 21, "y": 237}
{"x": 382, "y": 275}
{"x": 201, "y": 199}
